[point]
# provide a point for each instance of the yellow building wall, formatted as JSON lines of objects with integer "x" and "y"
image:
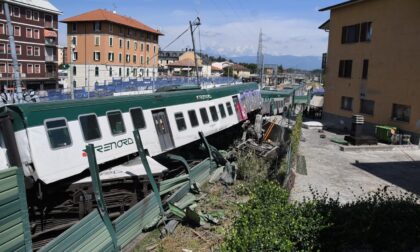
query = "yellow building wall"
{"x": 394, "y": 60}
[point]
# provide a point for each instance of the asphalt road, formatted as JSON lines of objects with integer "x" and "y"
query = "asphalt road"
{"x": 350, "y": 174}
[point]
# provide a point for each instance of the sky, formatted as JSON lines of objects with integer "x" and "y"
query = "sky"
{"x": 228, "y": 27}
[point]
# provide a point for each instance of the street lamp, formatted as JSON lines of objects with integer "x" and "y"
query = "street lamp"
{"x": 72, "y": 48}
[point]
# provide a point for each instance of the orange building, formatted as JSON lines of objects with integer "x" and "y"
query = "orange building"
{"x": 104, "y": 45}
{"x": 372, "y": 65}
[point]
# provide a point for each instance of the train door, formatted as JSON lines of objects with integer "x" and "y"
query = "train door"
{"x": 238, "y": 108}
{"x": 163, "y": 129}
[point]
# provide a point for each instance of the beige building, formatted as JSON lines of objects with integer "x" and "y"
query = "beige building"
{"x": 105, "y": 45}
{"x": 372, "y": 65}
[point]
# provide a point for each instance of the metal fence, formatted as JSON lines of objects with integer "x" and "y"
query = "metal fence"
{"x": 130, "y": 86}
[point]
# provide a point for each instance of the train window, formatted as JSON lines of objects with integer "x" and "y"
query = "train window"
{"x": 180, "y": 121}
{"x": 116, "y": 122}
{"x": 193, "y": 118}
{"x": 90, "y": 127}
{"x": 229, "y": 108}
{"x": 58, "y": 133}
{"x": 204, "y": 115}
{"x": 213, "y": 113}
{"x": 138, "y": 118}
{"x": 222, "y": 110}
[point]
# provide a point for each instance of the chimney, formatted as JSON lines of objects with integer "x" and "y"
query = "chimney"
{"x": 114, "y": 11}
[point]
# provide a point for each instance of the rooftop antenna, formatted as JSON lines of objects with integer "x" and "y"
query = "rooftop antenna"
{"x": 260, "y": 58}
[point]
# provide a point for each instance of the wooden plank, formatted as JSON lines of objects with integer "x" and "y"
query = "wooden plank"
{"x": 8, "y": 183}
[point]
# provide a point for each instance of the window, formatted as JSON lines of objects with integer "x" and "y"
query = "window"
{"x": 365, "y": 69}
{"x": 344, "y": 69}
{"x": 58, "y": 133}
{"x": 134, "y": 59}
{"x": 110, "y": 56}
{"x": 18, "y": 49}
{"x": 2, "y": 68}
{"x": 193, "y": 118}
{"x": 16, "y": 11}
{"x": 37, "y": 68}
{"x": 128, "y": 44}
{"x": 111, "y": 27}
{"x": 180, "y": 121}
{"x": 367, "y": 106}
{"x": 29, "y": 50}
{"x": 141, "y": 60}
{"x": 120, "y": 43}
{"x": 346, "y": 103}
{"x": 17, "y": 31}
{"x": 97, "y": 40}
{"x": 2, "y": 30}
{"x": 90, "y": 127}
{"x": 3, "y": 48}
{"x": 74, "y": 40}
{"x": 30, "y": 68}
{"x": 147, "y": 61}
{"x": 119, "y": 72}
{"x": 110, "y": 72}
{"x": 154, "y": 49}
{"x": 135, "y": 45}
{"x": 366, "y": 32}
{"x": 116, "y": 122}
{"x": 9, "y": 50}
{"x": 28, "y": 14}
{"x": 96, "y": 71}
{"x": 120, "y": 57}
{"x": 222, "y": 110}
{"x": 96, "y": 56}
{"x": 147, "y": 47}
{"x": 401, "y": 112}
{"x": 350, "y": 34}
{"x": 35, "y": 15}
{"x": 121, "y": 29}
{"x": 127, "y": 58}
{"x": 128, "y": 71}
{"x": 74, "y": 70}
{"x": 37, "y": 51}
{"x": 111, "y": 41}
{"x": 213, "y": 113}
{"x": 74, "y": 27}
{"x": 134, "y": 71}
{"x": 28, "y": 32}
{"x": 141, "y": 47}
{"x": 97, "y": 26}
{"x": 75, "y": 56}
{"x": 229, "y": 108}
{"x": 138, "y": 118}
{"x": 36, "y": 34}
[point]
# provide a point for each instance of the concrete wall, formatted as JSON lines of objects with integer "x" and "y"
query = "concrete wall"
{"x": 393, "y": 54}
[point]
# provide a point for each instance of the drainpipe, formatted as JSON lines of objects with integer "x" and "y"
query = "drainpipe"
{"x": 14, "y": 56}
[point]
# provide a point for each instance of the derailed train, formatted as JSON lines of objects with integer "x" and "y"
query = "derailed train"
{"x": 48, "y": 139}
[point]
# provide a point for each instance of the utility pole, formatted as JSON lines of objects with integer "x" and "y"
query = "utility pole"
{"x": 260, "y": 59}
{"x": 72, "y": 48}
{"x": 196, "y": 22}
{"x": 16, "y": 71}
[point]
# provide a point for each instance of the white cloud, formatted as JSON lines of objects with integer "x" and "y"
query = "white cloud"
{"x": 298, "y": 37}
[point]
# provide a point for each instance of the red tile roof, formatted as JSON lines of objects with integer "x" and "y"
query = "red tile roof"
{"x": 104, "y": 15}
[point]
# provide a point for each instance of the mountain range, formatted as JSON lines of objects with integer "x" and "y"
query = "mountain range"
{"x": 287, "y": 61}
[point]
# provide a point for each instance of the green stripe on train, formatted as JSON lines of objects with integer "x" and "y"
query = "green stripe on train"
{"x": 34, "y": 114}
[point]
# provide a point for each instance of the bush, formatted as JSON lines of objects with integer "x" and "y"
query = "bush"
{"x": 267, "y": 222}
{"x": 251, "y": 168}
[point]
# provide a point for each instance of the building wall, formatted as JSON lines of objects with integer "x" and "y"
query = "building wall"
{"x": 393, "y": 54}
{"x": 86, "y": 46}
{"x": 26, "y": 41}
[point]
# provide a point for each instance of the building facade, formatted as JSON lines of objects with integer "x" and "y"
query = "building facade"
{"x": 104, "y": 45}
{"x": 372, "y": 64}
{"x": 35, "y": 28}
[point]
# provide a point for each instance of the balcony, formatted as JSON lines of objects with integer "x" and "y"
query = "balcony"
{"x": 50, "y": 42}
{"x": 51, "y": 74}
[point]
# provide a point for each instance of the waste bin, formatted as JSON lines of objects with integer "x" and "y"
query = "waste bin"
{"x": 384, "y": 133}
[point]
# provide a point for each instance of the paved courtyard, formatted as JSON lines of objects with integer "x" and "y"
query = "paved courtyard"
{"x": 350, "y": 174}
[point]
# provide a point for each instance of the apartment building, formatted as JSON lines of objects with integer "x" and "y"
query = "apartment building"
{"x": 104, "y": 45}
{"x": 35, "y": 28}
{"x": 372, "y": 64}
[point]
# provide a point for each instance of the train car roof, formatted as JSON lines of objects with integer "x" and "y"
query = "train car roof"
{"x": 34, "y": 114}
{"x": 276, "y": 93}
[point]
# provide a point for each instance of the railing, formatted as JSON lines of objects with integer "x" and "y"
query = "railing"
{"x": 51, "y": 75}
{"x": 49, "y": 58}
{"x": 50, "y": 42}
